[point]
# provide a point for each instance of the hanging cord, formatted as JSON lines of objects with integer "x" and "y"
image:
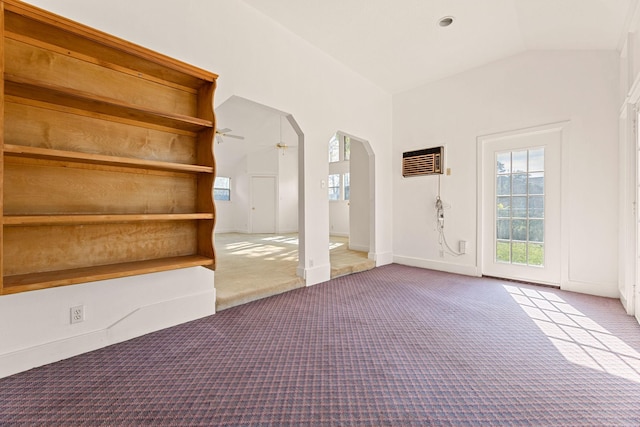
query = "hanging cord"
{"x": 442, "y": 240}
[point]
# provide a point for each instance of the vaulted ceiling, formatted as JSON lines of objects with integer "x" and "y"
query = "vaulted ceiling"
{"x": 398, "y": 44}
{"x": 261, "y": 128}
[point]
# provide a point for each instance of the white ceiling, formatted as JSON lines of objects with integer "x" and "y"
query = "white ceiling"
{"x": 261, "y": 127}
{"x": 398, "y": 45}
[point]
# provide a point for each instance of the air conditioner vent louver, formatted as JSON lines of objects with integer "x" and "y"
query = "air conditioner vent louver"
{"x": 422, "y": 162}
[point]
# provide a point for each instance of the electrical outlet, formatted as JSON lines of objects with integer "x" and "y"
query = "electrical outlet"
{"x": 77, "y": 314}
{"x": 462, "y": 246}
{"x": 441, "y": 253}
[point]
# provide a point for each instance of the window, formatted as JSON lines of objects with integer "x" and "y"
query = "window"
{"x": 222, "y": 188}
{"x": 520, "y": 207}
{"x": 334, "y": 149}
{"x": 339, "y": 156}
{"x": 347, "y": 148}
{"x": 339, "y": 190}
{"x": 345, "y": 181}
{"x": 334, "y": 186}
{"x": 339, "y": 148}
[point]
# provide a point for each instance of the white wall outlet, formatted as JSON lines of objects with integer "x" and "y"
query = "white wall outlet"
{"x": 77, "y": 314}
{"x": 462, "y": 246}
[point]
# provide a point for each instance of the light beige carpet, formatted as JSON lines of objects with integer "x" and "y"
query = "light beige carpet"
{"x": 254, "y": 266}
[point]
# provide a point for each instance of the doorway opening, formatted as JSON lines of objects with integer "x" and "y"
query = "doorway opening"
{"x": 351, "y": 188}
{"x": 259, "y": 241}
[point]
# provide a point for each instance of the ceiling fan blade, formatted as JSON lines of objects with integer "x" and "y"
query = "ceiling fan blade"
{"x": 223, "y": 130}
{"x": 233, "y": 136}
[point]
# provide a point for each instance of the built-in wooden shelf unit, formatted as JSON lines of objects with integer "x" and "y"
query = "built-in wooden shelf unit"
{"x": 107, "y": 162}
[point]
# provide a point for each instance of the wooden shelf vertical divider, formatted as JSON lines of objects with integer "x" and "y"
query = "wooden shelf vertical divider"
{"x": 2, "y": 142}
{"x": 205, "y": 156}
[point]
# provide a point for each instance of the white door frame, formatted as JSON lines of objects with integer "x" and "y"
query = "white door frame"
{"x": 628, "y": 238}
{"x": 562, "y": 126}
{"x": 633, "y": 293}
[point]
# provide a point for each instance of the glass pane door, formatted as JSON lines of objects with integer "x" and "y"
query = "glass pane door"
{"x": 519, "y": 221}
{"x": 520, "y": 204}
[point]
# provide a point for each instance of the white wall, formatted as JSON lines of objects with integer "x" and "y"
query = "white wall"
{"x": 259, "y": 60}
{"x": 232, "y": 215}
{"x": 529, "y": 89}
{"x": 242, "y": 198}
{"x": 359, "y": 220}
{"x": 339, "y": 209}
{"x": 225, "y": 218}
{"x": 36, "y": 328}
{"x": 339, "y": 217}
{"x": 288, "y": 190}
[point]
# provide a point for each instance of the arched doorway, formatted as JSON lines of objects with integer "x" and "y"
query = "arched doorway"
{"x": 351, "y": 204}
{"x": 259, "y": 233}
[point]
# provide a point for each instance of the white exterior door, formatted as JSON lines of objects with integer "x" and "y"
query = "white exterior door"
{"x": 520, "y": 202}
{"x": 263, "y": 204}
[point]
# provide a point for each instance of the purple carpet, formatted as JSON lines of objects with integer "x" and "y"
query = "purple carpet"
{"x": 396, "y": 346}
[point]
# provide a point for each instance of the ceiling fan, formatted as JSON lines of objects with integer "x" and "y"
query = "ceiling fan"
{"x": 223, "y": 133}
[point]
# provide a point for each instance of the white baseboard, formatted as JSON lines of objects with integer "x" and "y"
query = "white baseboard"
{"x": 229, "y": 230}
{"x": 628, "y": 306}
{"x": 338, "y": 234}
{"x": 597, "y": 289}
{"x": 360, "y": 248}
{"x": 246, "y": 231}
{"x": 288, "y": 231}
{"x": 467, "y": 270}
{"x": 315, "y": 275}
{"x": 223, "y": 231}
{"x": 381, "y": 258}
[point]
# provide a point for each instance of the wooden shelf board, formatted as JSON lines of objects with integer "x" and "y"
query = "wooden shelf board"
{"x": 74, "y": 34}
{"x": 33, "y": 89}
{"x": 93, "y": 60}
{"x": 26, "y": 220}
{"x": 72, "y": 156}
{"x": 35, "y": 281}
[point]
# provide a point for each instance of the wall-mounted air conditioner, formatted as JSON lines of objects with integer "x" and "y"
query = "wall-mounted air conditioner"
{"x": 427, "y": 161}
